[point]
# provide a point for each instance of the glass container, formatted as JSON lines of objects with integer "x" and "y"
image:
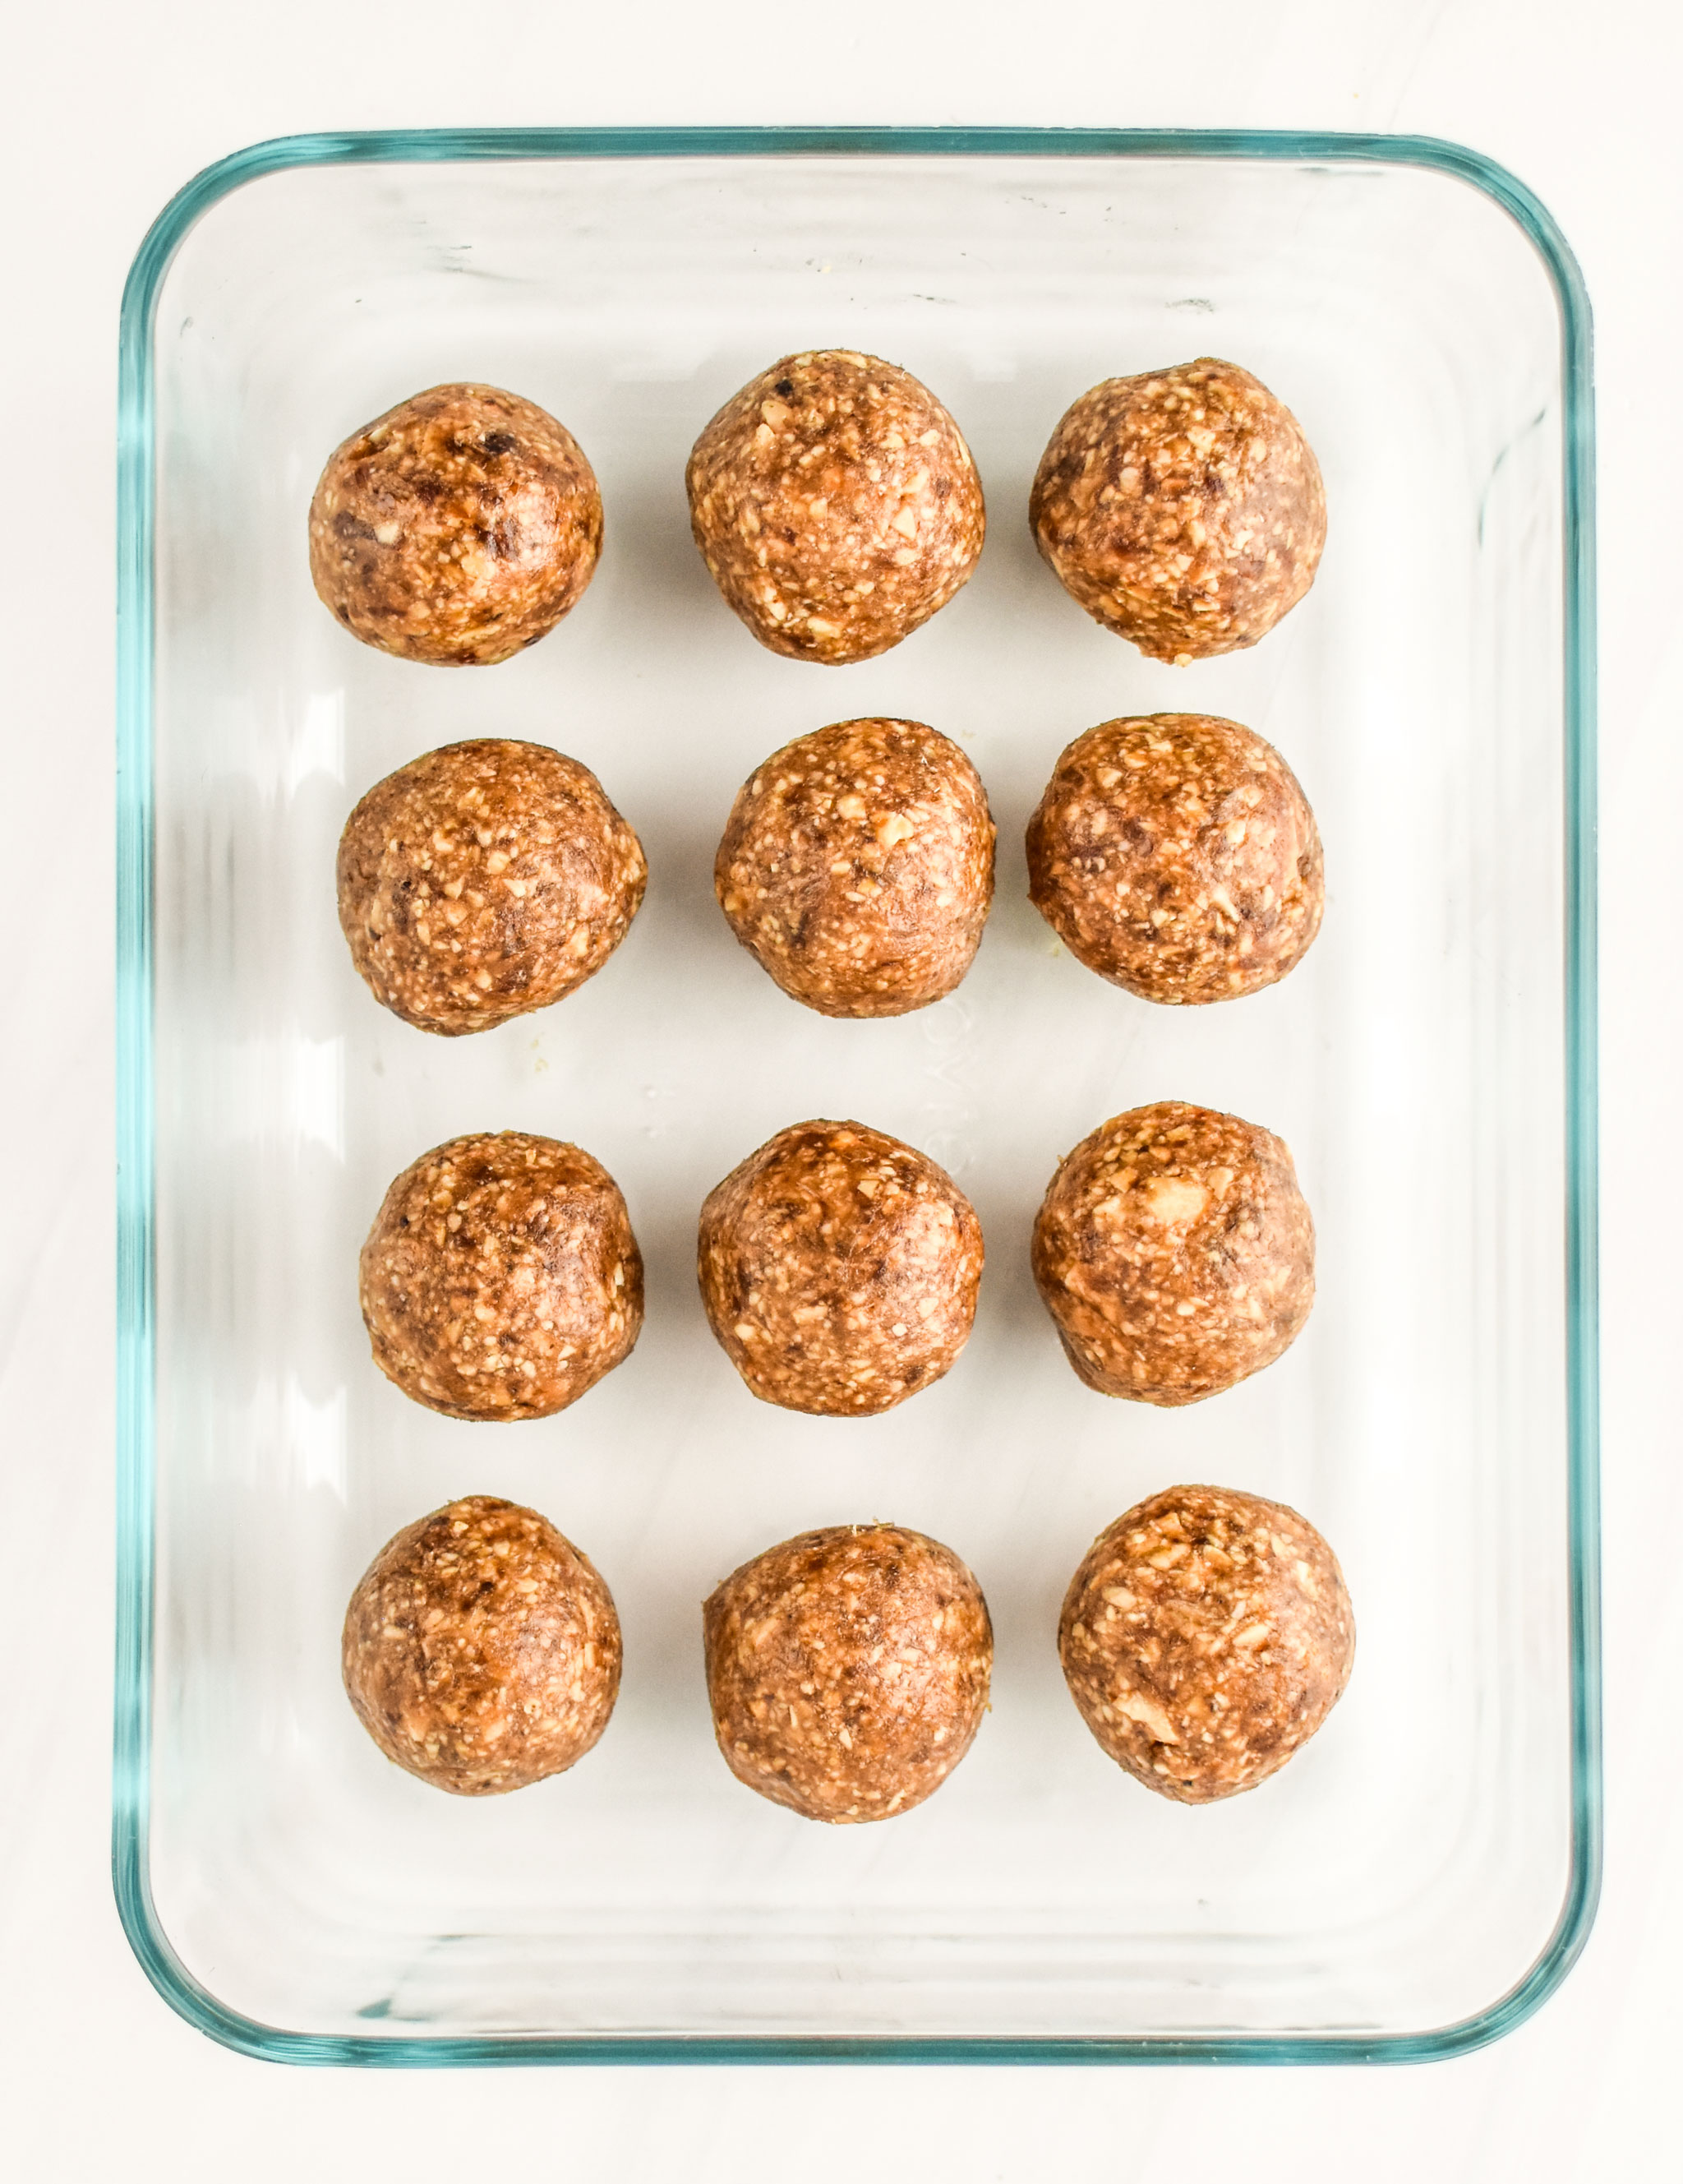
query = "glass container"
{"x": 1422, "y": 1875}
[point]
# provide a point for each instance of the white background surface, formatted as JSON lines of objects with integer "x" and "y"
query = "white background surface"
{"x": 104, "y": 111}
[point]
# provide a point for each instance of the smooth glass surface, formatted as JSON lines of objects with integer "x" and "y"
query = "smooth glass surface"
{"x": 1423, "y": 1872}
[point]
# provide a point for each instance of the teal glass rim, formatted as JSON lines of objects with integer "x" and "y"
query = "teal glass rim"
{"x": 135, "y": 1303}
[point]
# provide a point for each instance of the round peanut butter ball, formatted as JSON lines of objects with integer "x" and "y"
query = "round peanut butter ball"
{"x": 857, "y": 866}
{"x": 839, "y": 1269}
{"x": 501, "y": 1278}
{"x": 847, "y": 1670}
{"x": 1206, "y": 1637}
{"x": 837, "y": 505}
{"x": 456, "y": 529}
{"x": 1174, "y": 1253}
{"x": 1177, "y": 856}
{"x": 483, "y": 880}
{"x": 1183, "y": 508}
{"x": 481, "y": 1650}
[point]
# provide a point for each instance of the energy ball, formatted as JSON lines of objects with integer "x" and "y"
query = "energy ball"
{"x": 839, "y": 1269}
{"x": 847, "y": 1670}
{"x": 483, "y": 880}
{"x": 1182, "y": 509}
{"x": 1177, "y": 856}
{"x": 456, "y": 529}
{"x": 857, "y": 866}
{"x": 501, "y": 1278}
{"x": 481, "y": 1650}
{"x": 1206, "y": 1636}
{"x": 1174, "y": 1253}
{"x": 836, "y": 504}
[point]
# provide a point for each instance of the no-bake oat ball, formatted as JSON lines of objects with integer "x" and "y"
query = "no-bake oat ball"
{"x": 481, "y": 1650}
{"x": 836, "y": 504}
{"x": 857, "y": 866}
{"x": 501, "y": 1278}
{"x": 1206, "y": 1637}
{"x": 1174, "y": 1253}
{"x": 839, "y": 1269}
{"x": 456, "y": 529}
{"x": 485, "y": 880}
{"x": 847, "y": 1670}
{"x": 1177, "y": 856}
{"x": 1183, "y": 508}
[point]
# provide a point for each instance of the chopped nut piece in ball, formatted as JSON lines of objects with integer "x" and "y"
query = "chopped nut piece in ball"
{"x": 1174, "y": 1253}
{"x": 1177, "y": 856}
{"x": 481, "y": 1650}
{"x": 501, "y": 1278}
{"x": 1206, "y": 1637}
{"x": 1183, "y": 508}
{"x": 847, "y": 1670}
{"x": 839, "y": 1269}
{"x": 836, "y": 504}
{"x": 456, "y": 529}
{"x": 857, "y": 866}
{"x": 483, "y": 880}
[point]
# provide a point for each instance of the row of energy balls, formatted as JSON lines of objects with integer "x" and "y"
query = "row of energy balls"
{"x": 1208, "y": 1632}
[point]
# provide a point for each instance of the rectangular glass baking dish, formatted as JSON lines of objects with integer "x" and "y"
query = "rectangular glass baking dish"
{"x": 1425, "y": 1873}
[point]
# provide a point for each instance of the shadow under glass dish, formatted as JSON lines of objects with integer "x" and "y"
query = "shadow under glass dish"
{"x": 288, "y": 1888}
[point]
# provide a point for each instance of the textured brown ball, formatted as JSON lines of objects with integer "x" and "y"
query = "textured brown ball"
{"x": 847, "y": 1670}
{"x": 837, "y": 505}
{"x": 481, "y": 1650}
{"x": 1206, "y": 1637}
{"x": 1177, "y": 856}
{"x": 839, "y": 1269}
{"x": 483, "y": 880}
{"x": 456, "y": 529}
{"x": 1183, "y": 508}
{"x": 1174, "y": 1253}
{"x": 857, "y": 866}
{"x": 501, "y": 1278}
